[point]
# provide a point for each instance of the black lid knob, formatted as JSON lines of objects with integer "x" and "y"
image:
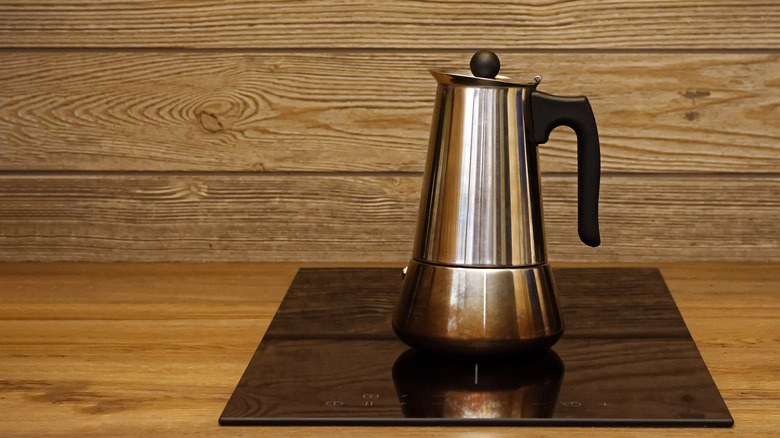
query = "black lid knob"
{"x": 485, "y": 64}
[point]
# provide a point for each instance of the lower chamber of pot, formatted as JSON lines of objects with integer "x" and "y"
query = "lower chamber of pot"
{"x": 478, "y": 311}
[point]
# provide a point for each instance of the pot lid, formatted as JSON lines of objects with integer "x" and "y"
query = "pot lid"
{"x": 484, "y": 73}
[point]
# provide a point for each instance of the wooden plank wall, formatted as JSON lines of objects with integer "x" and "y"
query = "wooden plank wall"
{"x": 297, "y": 130}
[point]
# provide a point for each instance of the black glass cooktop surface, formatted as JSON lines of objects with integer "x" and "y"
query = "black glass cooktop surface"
{"x": 330, "y": 357}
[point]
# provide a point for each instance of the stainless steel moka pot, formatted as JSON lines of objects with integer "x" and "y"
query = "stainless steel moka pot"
{"x": 478, "y": 281}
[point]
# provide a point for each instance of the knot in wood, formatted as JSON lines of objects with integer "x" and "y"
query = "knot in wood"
{"x": 209, "y": 122}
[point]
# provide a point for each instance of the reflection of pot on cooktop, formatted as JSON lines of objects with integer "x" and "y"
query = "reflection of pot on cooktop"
{"x": 436, "y": 386}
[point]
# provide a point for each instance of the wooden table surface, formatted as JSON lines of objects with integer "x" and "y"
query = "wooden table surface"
{"x": 156, "y": 349}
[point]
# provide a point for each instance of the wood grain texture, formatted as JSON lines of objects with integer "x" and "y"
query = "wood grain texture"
{"x": 382, "y": 24}
{"x": 105, "y": 372}
{"x": 212, "y": 217}
{"x": 289, "y": 111}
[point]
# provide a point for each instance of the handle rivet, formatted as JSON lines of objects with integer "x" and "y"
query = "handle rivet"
{"x": 537, "y": 79}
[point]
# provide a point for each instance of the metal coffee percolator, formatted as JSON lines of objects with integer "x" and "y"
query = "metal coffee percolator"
{"x": 478, "y": 281}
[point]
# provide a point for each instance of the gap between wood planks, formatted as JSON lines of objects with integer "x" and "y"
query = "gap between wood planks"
{"x": 399, "y": 174}
{"x": 385, "y": 50}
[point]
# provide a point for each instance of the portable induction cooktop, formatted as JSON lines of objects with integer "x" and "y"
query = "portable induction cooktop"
{"x": 330, "y": 357}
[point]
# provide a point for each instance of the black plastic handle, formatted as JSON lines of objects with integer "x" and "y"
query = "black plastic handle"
{"x": 549, "y": 112}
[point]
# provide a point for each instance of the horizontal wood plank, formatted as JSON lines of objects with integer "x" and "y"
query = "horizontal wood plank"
{"x": 107, "y": 373}
{"x": 289, "y": 111}
{"x": 158, "y": 217}
{"x": 398, "y": 24}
